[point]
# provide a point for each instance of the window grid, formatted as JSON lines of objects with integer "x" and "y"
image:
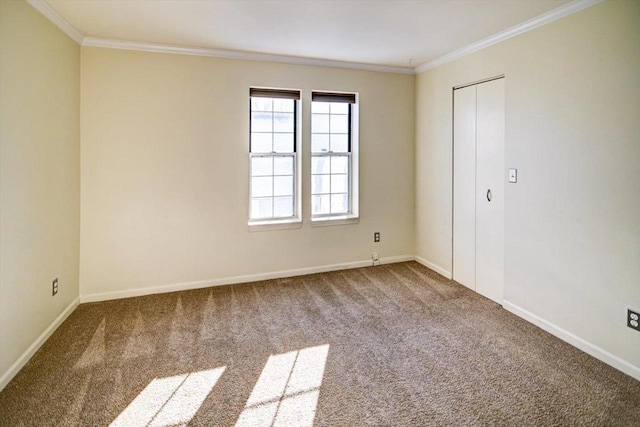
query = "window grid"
{"x": 330, "y": 193}
{"x": 273, "y": 177}
{"x": 273, "y": 133}
{"x": 330, "y": 155}
{"x": 270, "y": 212}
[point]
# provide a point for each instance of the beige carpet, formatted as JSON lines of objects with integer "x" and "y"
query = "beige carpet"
{"x": 386, "y": 346}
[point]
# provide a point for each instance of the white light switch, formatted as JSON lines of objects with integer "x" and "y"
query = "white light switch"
{"x": 513, "y": 175}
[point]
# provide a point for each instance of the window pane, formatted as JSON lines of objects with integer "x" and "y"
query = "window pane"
{"x": 283, "y": 122}
{"x": 339, "y": 164}
{"x": 339, "y": 108}
{"x": 339, "y": 203}
{"x": 320, "y": 184}
{"x": 283, "y": 105}
{"x": 320, "y": 123}
{"x": 339, "y": 183}
{"x": 339, "y": 124}
{"x": 283, "y": 186}
{"x": 261, "y": 166}
{"x": 261, "y": 104}
{"x": 261, "y": 122}
{"x": 319, "y": 164}
{"x": 320, "y": 107}
{"x": 319, "y": 143}
{"x": 261, "y": 142}
{"x": 261, "y": 187}
{"x": 320, "y": 204}
{"x": 339, "y": 143}
{"x": 282, "y": 207}
{"x": 330, "y": 173}
{"x": 283, "y": 166}
{"x": 261, "y": 208}
{"x": 283, "y": 142}
{"x": 273, "y": 170}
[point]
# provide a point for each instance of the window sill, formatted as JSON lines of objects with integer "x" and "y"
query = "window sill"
{"x": 275, "y": 225}
{"x": 335, "y": 220}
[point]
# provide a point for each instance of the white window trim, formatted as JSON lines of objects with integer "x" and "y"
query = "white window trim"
{"x": 354, "y": 216}
{"x": 275, "y": 224}
{"x": 335, "y": 220}
{"x": 296, "y": 220}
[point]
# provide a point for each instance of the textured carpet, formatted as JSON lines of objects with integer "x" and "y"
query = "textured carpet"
{"x": 388, "y": 345}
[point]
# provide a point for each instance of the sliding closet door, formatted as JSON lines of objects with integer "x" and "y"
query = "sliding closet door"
{"x": 490, "y": 179}
{"x": 464, "y": 184}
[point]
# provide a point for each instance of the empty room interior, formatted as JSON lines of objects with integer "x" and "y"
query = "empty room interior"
{"x": 299, "y": 213}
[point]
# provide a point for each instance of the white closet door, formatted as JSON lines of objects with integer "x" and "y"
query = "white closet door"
{"x": 490, "y": 178}
{"x": 464, "y": 184}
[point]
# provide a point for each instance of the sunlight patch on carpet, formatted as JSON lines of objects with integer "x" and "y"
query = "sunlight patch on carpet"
{"x": 171, "y": 401}
{"x": 288, "y": 389}
{"x": 95, "y": 352}
{"x": 140, "y": 342}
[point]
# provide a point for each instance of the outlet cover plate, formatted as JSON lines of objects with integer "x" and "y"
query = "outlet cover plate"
{"x": 633, "y": 319}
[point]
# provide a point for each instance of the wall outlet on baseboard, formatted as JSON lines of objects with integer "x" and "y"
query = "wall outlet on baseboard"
{"x": 376, "y": 258}
{"x": 376, "y": 237}
{"x": 54, "y": 287}
{"x": 633, "y": 319}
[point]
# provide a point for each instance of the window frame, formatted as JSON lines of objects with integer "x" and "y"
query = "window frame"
{"x": 294, "y": 221}
{"x": 352, "y": 215}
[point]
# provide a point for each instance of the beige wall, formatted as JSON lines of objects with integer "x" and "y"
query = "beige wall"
{"x": 39, "y": 175}
{"x": 165, "y": 170}
{"x": 572, "y": 231}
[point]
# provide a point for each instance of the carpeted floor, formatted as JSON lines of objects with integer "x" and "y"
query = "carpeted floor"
{"x": 386, "y": 346}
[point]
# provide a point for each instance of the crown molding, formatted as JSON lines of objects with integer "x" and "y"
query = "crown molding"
{"x": 53, "y": 16}
{"x": 247, "y": 56}
{"x": 560, "y": 12}
{"x": 545, "y": 18}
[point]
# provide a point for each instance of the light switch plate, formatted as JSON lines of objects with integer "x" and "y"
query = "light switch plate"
{"x": 513, "y": 175}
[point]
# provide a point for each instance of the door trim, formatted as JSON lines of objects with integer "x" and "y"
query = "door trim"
{"x": 488, "y": 79}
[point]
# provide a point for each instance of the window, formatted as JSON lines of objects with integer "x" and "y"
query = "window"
{"x": 273, "y": 146}
{"x": 333, "y": 156}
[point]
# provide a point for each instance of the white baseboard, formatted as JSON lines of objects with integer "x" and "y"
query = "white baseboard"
{"x": 24, "y": 358}
{"x": 236, "y": 279}
{"x": 441, "y": 271}
{"x": 574, "y": 340}
{"x": 395, "y": 259}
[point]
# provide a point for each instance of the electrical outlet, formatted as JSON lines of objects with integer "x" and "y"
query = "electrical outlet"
{"x": 633, "y": 320}
{"x": 376, "y": 237}
{"x": 54, "y": 287}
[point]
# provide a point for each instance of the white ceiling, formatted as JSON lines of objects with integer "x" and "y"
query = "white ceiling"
{"x": 376, "y": 32}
